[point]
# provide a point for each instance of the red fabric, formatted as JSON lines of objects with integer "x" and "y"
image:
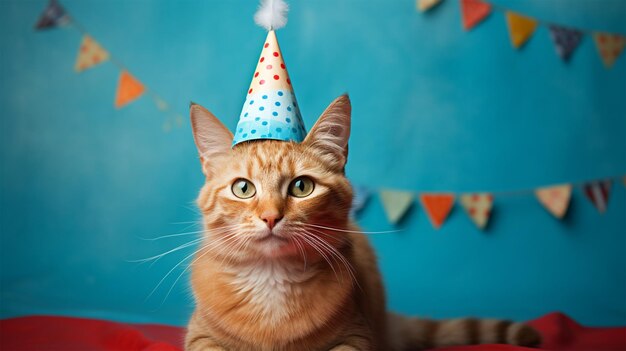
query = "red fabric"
{"x": 64, "y": 333}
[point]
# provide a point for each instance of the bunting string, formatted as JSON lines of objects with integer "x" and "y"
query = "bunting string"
{"x": 91, "y": 53}
{"x": 522, "y": 27}
{"x": 478, "y": 205}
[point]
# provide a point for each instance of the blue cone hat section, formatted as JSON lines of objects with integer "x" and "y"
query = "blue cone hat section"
{"x": 270, "y": 115}
{"x": 271, "y": 110}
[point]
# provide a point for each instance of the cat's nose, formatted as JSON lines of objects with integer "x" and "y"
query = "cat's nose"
{"x": 271, "y": 218}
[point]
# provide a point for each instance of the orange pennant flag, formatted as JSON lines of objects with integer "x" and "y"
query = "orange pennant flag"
{"x": 425, "y": 5}
{"x": 555, "y": 198}
{"x": 437, "y": 207}
{"x": 610, "y": 46}
{"x": 90, "y": 54}
{"x": 521, "y": 28}
{"x": 474, "y": 12}
{"x": 478, "y": 207}
{"x": 128, "y": 89}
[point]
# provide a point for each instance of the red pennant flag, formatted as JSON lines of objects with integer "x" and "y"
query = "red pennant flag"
{"x": 474, "y": 12}
{"x": 610, "y": 46}
{"x": 437, "y": 207}
{"x": 598, "y": 193}
{"x": 128, "y": 89}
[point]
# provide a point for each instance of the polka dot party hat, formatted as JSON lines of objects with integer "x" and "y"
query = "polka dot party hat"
{"x": 270, "y": 110}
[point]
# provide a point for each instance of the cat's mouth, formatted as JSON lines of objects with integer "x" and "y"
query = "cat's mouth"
{"x": 271, "y": 237}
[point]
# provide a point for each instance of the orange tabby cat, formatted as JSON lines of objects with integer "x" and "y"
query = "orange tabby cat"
{"x": 283, "y": 268}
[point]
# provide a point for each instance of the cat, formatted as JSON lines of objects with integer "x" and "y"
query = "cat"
{"x": 283, "y": 268}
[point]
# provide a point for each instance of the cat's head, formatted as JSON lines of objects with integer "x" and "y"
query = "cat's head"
{"x": 276, "y": 199}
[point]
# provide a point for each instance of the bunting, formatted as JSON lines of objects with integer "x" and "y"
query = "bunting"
{"x": 396, "y": 203}
{"x": 474, "y": 12}
{"x": 522, "y": 27}
{"x": 598, "y": 193}
{"x": 128, "y": 89}
{"x": 610, "y": 46}
{"x": 555, "y": 199}
{"x": 53, "y": 16}
{"x": 90, "y": 54}
{"x": 425, "y": 5}
{"x": 360, "y": 196}
{"x": 478, "y": 207}
{"x": 565, "y": 40}
{"x": 437, "y": 207}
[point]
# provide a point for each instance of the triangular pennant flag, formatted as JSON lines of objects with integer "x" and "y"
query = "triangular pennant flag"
{"x": 437, "y": 206}
{"x": 474, "y": 12}
{"x": 179, "y": 120}
{"x": 359, "y": 198}
{"x": 160, "y": 103}
{"x": 425, "y": 5}
{"x": 90, "y": 54}
{"x": 598, "y": 193}
{"x": 521, "y": 28}
{"x": 565, "y": 40}
{"x": 167, "y": 126}
{"x": 555, "y": 198}
{"x": 53, "y": 16}
{"x": 478, "y": 207}
{"x": 610, "y": 46}
{"x": 128, "y": 89}
{"x": 396, "y": 203}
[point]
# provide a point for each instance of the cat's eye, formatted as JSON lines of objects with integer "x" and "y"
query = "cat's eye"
{"x": 301, "y": 187}
{"x": 243, "y": 189}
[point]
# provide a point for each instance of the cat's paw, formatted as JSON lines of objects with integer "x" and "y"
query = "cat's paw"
{"x": 525, "y": 335}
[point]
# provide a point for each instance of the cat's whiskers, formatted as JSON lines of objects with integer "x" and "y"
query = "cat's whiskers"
{"x": 156, "y": 258}
{"x": 304, "y": 235}
{"x": 348, "y": 231}
{"x": 333, "y": 250}
{"x": 188, "y": 233}
{"x": 209, "y": 246}
{"x": 300, "y": 248}
{"x": 242, "y": 246}
{"x": 172, "y": 235}
{"x": 227, "y": 250}
{"x": 233, "y": 236}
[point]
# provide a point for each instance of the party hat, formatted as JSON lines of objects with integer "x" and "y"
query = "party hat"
{"x": 270, "y": 110}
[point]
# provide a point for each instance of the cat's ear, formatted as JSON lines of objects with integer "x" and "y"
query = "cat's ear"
{"x": 331, "y": 131}
{"x": 212, "y": 138}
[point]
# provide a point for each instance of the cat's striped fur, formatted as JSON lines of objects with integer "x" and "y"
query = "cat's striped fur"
{"x": 317, "y": 287}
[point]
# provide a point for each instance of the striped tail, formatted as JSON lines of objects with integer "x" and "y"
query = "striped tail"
{"x": 422, "y": 334}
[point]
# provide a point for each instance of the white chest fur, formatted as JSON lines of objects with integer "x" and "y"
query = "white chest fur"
{"x": 270, "y": 288}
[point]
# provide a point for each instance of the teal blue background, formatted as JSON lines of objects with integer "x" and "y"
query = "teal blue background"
{"x": 435, "y": 108}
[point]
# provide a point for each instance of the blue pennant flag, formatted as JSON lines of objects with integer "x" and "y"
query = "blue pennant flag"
{"x": 53, "y": 16}
{"x": 359, "y": 198}
{"x": 566, "y": 40}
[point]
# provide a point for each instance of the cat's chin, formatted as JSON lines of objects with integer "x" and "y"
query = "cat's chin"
{"x": 276, "y": 247}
